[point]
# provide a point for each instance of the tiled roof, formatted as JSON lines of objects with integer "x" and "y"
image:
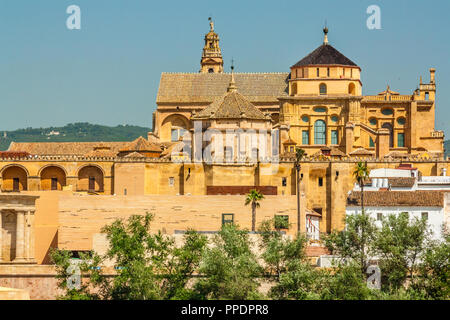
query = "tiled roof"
{"x": 63, "y": 148}
{"x": 396, "y": 154}
{"x": 361, "y": 152}
{"x": 99, "y": 153}
{"x": 232, "y": 105}
{"x": 141, "y": 144}
{"x": 335, "y": 152}
{"x": 205, "y": 87}
{"x": 134, "y": 155}
{"x": 402, "y": 182}
{"x": 396, "y": 182}
{"x": 418, "y": 198}
{"x": 325, "y": 55}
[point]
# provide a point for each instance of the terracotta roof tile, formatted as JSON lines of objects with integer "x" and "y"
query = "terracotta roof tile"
{"x": 232, "y": 105}
{"x": 361, "y": 152}
{"x": 205, "y": 87}
{"x": 63, "y": 148}
{"x": 141, "y": 144}
{"x": 419, "y": 198}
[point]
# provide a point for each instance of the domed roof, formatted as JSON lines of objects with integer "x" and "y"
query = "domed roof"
{"x": 325, "y": 55}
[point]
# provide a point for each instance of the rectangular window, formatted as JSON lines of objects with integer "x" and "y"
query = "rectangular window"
{"x": 284, "y": 181}
{"x": 425, "y": 215}
{"x": 320, "y": 182}
{"x": 371, "y": 143}
{"x": 328, "y": 72}
{"x": 54, "y": 184}
{"x": 16, "y": 184}
{"x": 305, "y": 137}
{"x": 427, "y": 96}
{"x": 334, "y": 137}
{"x": 379, "y": 216}
{"x": 171, "y": 181}
{"x": 281, "y": 222}
{"x": 400, "y": 140}
{"x": 227, "y": 218}
{"x": 318, "y": 72}
{"x": 91, "y": 183}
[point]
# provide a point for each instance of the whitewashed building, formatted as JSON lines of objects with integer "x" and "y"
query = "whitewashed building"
{"x": 393, "y": 191}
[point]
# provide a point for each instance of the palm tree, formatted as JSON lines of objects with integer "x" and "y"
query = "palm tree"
{"x": 361, "y": 173}
{"x": 299, "y": 155}
{"x": 253, "y": 197}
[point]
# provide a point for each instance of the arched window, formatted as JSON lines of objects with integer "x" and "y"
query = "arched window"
{"x": 351, "y": 89}
{"x": 323, "y": 88}
{"x": 211, "y": 70}
{"x": 320, "y": 129}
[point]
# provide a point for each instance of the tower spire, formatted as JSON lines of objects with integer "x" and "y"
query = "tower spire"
{"x": 325, "y": 34}
{"x": 211, "y": 61}
{"x": 232, "y": 86}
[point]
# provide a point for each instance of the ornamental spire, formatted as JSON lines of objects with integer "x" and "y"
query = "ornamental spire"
{"x": 325, "y": 33}
{"x": 232, "y": 86}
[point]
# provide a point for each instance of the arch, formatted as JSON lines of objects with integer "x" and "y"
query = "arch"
{"x": 352, "y": 89}
{"x": 15, "y": 178}
{"x": 388, "y": 126}
{"x": 173, "y": 124}
{"x": 53, "y": 177}
{"x": 90, "y": 165}
{"x": 320, "y": 132}
{"x": 322, "y": 89}
{"x": 90, "y": 178}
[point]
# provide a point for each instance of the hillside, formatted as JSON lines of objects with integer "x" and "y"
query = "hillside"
{"x": 73, "y": 132}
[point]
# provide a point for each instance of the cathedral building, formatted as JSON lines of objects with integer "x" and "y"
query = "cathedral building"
{"x": 318, "y": 105}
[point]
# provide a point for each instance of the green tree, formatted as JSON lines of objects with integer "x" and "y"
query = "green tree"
{"x": 347, "y": 282}
{"x": 434, "y": 271}
{"x": 90, "y": 275}
{"x": 254, "y": 197}
{"x": 286, "y": 264}
{"x": 230, "y": 269}
{"x": 148, "y": 266}
{"x": 361, "y": 174}
{"x": 354, "y": 244}
{"x": 400, "y": 245}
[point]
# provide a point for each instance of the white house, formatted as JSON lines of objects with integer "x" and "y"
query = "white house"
{"x": 392, "y": 191}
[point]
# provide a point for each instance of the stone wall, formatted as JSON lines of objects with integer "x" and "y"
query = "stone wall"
{"x": 81, "y": 217}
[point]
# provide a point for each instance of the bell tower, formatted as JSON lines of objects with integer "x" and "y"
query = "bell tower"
{"x": 211, "y": 61}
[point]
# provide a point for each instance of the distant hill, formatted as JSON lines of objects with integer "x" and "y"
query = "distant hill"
{"x": 73, "y": 132}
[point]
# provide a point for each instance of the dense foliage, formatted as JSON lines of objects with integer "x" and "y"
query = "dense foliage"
{"x": 236, "y": 264}
{"x": 73, "y": 132}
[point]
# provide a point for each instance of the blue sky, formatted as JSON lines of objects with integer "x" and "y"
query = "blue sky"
{"x": 108, "y": 72}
